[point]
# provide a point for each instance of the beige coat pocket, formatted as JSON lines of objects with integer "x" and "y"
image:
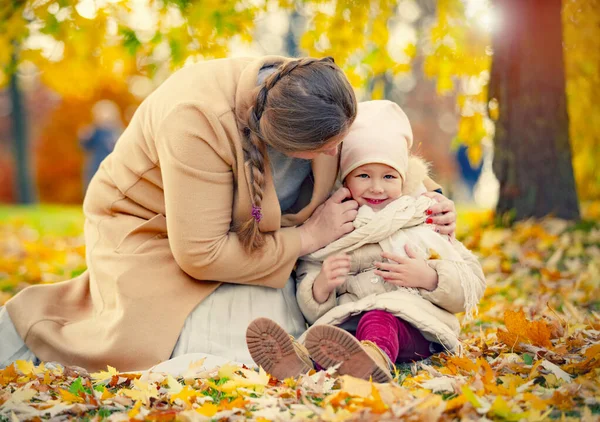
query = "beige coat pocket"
{"x": 147, "y": 230}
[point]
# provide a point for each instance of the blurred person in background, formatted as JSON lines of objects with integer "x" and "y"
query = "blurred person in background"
{"x": 99, "y": 139}
{"x": 469, "y": 173}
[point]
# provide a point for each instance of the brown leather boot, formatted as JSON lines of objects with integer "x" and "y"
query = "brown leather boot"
{"x": 275, "y": 350}
{"x": 329, "y": 345}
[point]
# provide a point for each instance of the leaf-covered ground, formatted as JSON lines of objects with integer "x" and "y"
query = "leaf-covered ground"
{"x": 532, "y": 353}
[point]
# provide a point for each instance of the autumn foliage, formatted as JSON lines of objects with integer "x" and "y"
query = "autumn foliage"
{"x": 532, "y": 353}
{"x": 60, "y": 158}
{"x": 451, "y": 45}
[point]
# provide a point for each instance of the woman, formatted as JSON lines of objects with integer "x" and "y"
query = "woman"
{"x": 192, "y": 197}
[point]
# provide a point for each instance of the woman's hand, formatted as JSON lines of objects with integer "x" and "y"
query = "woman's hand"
{"x": 407, "y": 272}
{"x": 333, "y": 274}
{"x": 442, "y": 214}
{"x": 329, "y": 222}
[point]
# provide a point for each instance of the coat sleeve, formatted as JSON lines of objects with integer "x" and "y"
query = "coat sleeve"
{"x": 460, "y": 284}
{"x": 306, "y": 273}
{"x": 196, "y": 161}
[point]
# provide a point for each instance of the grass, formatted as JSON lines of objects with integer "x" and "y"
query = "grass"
{"x": 48, "y": 219}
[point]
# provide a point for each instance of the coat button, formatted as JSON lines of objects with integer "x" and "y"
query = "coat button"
{"x": 375, "y": 279}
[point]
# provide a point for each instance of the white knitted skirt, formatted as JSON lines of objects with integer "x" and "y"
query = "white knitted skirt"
{"x": 12, "y": 347}
{"x": 217, "y": 326}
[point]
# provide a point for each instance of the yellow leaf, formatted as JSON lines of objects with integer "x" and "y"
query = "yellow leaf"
{"x": 132, "y": 394}
{"x": 106, "y": 394}
{"x": 502, "y": 409}
{"x": 26, "y": 367}
{"x": 242, "y": 378}
{"x": 69, "y": 397}
{"x": 135, "y": 409}
{"x": 475, "y": 155}
{"x": 103, "y": 376}
{"x": 355, "y": 386}
{"x": 410, "y": 50}
{"x": 208, "y": 409}
{"x": 174, "y": 385}
{"x": 444, "y": 85}
{"x": 470, "y": 396}
{"x": 40, "y": 369}
{"x": 184, "y": 395}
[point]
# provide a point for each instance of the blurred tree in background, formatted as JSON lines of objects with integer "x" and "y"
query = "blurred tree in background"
{"x": 532, "y": 153}
{"x": 97, "y": 44}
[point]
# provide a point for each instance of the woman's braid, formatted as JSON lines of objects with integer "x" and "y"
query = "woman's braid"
{"x": 256, "y": 151}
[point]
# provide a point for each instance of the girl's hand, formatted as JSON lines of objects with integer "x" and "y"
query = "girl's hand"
{"x": 442, "y": 214}
{"x": 333, "y": 274}
{"x": 407, "y": 272}
{"x": 329, "y": 222}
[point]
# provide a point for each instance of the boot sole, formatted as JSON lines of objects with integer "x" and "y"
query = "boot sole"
{"x": 272, "y": 349}
{"x": 330, "y": 345}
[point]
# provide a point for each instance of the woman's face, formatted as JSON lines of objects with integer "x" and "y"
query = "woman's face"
{"x": 330, "y": 148}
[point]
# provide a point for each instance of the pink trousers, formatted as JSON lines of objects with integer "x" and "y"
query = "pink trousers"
{"x": 397, "y": 338}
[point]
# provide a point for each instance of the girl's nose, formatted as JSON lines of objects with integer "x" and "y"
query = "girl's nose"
{"x": 376, "y": 187}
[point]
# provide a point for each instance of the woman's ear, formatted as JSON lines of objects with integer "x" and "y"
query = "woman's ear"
{"x": 338, "y": 184}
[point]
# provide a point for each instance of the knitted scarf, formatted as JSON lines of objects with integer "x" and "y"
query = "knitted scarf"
{"x": 398, "y": 224}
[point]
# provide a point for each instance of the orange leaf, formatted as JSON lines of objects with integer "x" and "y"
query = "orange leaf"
{"x": 516, "y": 322}
{"x": 593, "y": 352}
{"x": 375, "y": 403}
{"x": 464, "y": 363}
{"x": 535, "y": 402}
{"x": 539, "y": 333}
{"x": 522, "y": 330}
{"x": 238, "y": 403}
{"x": 562, "y": 401}
{"x": 510, "y": 339}
{"x": 8, "y": 374}
{"x": 489, "y": 376}
{"x": 455, "y": 403}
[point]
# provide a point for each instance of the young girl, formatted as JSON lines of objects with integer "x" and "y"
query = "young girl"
{"x": 368, "y": 313}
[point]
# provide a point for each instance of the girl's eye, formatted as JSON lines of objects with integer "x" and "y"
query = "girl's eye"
{"x": 389, "y": 176}
{"x": 363, "y": 176}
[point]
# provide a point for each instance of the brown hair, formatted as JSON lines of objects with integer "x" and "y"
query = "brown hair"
{"x": 300, "y": 107}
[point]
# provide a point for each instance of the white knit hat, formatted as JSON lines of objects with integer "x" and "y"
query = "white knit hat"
{"x": 381, "y": 133}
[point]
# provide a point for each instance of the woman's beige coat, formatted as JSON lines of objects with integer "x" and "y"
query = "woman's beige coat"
{"x": 158, "y": 219}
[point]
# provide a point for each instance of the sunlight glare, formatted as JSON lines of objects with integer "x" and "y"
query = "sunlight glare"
{"x": 482, "y": 12}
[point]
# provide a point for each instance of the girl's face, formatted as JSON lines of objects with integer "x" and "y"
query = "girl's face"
{"x": 375, "y": 185}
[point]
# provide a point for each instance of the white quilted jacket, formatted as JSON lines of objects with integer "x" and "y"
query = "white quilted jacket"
{"x": 461, "y": 282}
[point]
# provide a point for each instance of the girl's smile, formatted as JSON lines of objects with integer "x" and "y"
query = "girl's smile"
{"x": 374, "y": 185}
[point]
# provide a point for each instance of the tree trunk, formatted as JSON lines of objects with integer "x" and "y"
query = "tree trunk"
{"x": 24, "y": 177}
{"x": 532, "y": 154}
